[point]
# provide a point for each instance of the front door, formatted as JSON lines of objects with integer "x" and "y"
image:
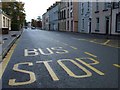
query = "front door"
{"x": 89, "y": 26}
{"x": 107, "y": 25}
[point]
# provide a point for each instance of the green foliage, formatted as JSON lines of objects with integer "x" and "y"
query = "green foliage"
{"x": 17, "y": 13}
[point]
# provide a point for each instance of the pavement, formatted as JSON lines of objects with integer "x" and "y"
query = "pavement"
{"x": 6, "y": 41}
{"x": 49, "y": 59}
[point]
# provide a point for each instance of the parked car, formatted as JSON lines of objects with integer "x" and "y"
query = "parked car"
{"x": 32, "y": 27}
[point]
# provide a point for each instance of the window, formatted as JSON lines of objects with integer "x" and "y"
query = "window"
{"x": 60, "y": 14}
{"x": 82, "y": 5}
{"x": 68, "y": 4}
{"x": 105, "y": 5}
{"x": 64, "y": 14}
{"x": 116, "y": 5}
{"x": 6, "y": 22}
{"x": 97, "y": 23}
{"x": 82, "y": 23}
{"x": 71, "y": 13}
{"x": 67, "y": 25}
{"x": 88, "y": 4}
{"x": 82, "y": 11}
{"x": 97, "y": 6}
{"x": 3, "y": 21}
{"x": 71, "y": 25}
{"x": 68, "y": 13}
{"x": 118, "y": 22}
{"x": 88, "y": 10}
{"x": 71, "y": 2}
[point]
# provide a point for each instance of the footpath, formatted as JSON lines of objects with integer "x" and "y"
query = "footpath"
{"x": 6, "y": 42}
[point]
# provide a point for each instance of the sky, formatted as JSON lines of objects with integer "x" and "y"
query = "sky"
{"x": 35, "y": 8}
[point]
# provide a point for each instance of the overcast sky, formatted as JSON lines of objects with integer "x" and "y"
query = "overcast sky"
{"x": 36, "y": 8}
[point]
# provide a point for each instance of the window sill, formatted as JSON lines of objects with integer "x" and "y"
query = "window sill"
{"x": 96, "y": 11}
{"x": 105, "y": 10}
{"x": 97, "y": 30}
{"x": 117, "y": 31}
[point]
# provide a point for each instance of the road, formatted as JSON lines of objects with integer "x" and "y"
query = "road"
{"x": 48, "y": 59}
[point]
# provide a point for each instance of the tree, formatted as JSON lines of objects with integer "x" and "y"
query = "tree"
{"x": 39, "y": 18}
{"x": 17, "y": 13}
{"x": 34, "y": 23}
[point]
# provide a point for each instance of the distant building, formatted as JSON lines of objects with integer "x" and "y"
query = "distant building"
{"x": 62, "y": 16}
{"x": 72, "y": 16}
{"x": 5, "y": 22}
{"x": 106, "y": 19}
{"x": 44, "y": 21}
{"x": 84, "y": 17}
{"x": 53, "y": 16}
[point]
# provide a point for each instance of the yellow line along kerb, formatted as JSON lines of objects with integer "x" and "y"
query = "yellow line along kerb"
{"x": 6, "y": 60}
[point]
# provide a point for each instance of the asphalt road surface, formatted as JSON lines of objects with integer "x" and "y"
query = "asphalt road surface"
{"x": 48, "y": 59}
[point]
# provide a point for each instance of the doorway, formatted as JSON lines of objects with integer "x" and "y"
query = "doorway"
{"x": 107, "y": 25}
{"x": 89, "y": 25}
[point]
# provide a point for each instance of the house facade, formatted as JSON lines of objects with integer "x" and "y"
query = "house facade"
{"x": 53, "y": 16}
{"x": 85, "y": 17}
{"x": 106, "y": 18}
{"x": 116, "y": 18}
{"x": 72, "y": 16}
{"x": 45, "y": 21}
{"x": 62, "y": 16}
{"x": 5, "y": 22}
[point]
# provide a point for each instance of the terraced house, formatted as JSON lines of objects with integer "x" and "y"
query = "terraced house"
{"x": 106, "y": 18}
{"x": 72, "y": 16}
{"x": 45, "y": 21}
{"x": 53, "y": 16}
{"x": 5, "y": 22}
{"x": 62, "y": 16}
{"x": 85, "y": 17}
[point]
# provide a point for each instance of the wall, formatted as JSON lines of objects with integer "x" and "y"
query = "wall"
{"x": 102, "y": 14}
{"x": 87, "y": 15}
{"x": 53, "y": 17}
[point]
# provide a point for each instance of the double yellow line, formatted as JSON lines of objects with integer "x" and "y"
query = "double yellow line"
{"x": 6, "y": 60}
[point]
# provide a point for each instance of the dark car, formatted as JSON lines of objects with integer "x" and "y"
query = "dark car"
{"x": 32, "y": 27}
